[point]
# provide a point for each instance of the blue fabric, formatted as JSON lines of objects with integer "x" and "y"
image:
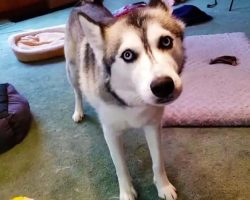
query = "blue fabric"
{"x": 191, "y": 15}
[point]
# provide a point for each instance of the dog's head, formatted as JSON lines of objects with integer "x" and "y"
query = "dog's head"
{"x": 141, "y": 53}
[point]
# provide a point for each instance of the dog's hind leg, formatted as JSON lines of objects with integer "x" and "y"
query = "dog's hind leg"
{"x": 113, "y": 139}
{"x": 165, "y": 189}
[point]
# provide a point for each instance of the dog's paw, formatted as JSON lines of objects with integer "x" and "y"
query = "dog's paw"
{"x": 128, "y": 194}
{"x": 77, "y": 116}
{"x": 167, "y": 192}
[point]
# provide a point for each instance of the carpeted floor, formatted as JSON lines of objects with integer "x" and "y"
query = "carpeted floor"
{"x": 62, "y": 160}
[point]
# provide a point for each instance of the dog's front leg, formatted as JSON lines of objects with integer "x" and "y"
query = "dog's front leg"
{"x": 113, "y": 139}
{"x": 78, "y": 113}
{"x": 165, "y": 189}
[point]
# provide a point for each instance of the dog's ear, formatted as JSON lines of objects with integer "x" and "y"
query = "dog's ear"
{"x": 93, "y": 33}
{"x": 161, "y": 3}
{"x": 93, "y": 20}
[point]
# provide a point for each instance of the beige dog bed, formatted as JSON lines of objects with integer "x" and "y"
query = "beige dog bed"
{"x": 38, "y": 44}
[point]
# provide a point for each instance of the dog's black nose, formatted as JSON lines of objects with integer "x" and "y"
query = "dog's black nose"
{"x": 162, "y": 87}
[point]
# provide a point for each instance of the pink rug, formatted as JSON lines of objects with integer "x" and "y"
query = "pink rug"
{"x": 213, "y": 95}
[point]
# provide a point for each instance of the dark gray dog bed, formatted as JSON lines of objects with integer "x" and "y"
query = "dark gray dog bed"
{"x": 15, "y": 117}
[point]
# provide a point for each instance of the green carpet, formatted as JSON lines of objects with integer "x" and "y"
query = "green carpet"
{"x": 62, "y": 160}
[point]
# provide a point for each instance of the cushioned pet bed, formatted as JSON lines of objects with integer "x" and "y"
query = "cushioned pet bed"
{"x": 15, "y": 117}
{"x": 213, "y": 95}
{"x": 38, "y": 44}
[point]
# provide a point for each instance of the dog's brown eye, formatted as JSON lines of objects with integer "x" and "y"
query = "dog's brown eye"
{"x": 165, "y": 42}
{"x": 129, "y": 55}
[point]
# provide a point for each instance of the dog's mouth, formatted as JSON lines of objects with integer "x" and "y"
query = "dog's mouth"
{"x": 165, "y": 100}
{"x": 169, "y": 99}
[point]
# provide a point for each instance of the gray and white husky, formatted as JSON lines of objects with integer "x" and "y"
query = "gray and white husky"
{"x": 127, "y": 68}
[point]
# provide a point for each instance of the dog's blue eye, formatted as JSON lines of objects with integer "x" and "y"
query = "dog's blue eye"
{"x": 166, "y": 42}
{"x": 129, "y": 55}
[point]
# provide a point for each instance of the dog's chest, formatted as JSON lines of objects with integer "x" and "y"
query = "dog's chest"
{"x": 124, "y": 118}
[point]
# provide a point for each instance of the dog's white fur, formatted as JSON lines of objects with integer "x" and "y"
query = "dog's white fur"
{"x": 130, "y": 82}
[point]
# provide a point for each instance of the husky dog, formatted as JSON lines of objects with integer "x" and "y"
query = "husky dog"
{"x": 128, "y": 69}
